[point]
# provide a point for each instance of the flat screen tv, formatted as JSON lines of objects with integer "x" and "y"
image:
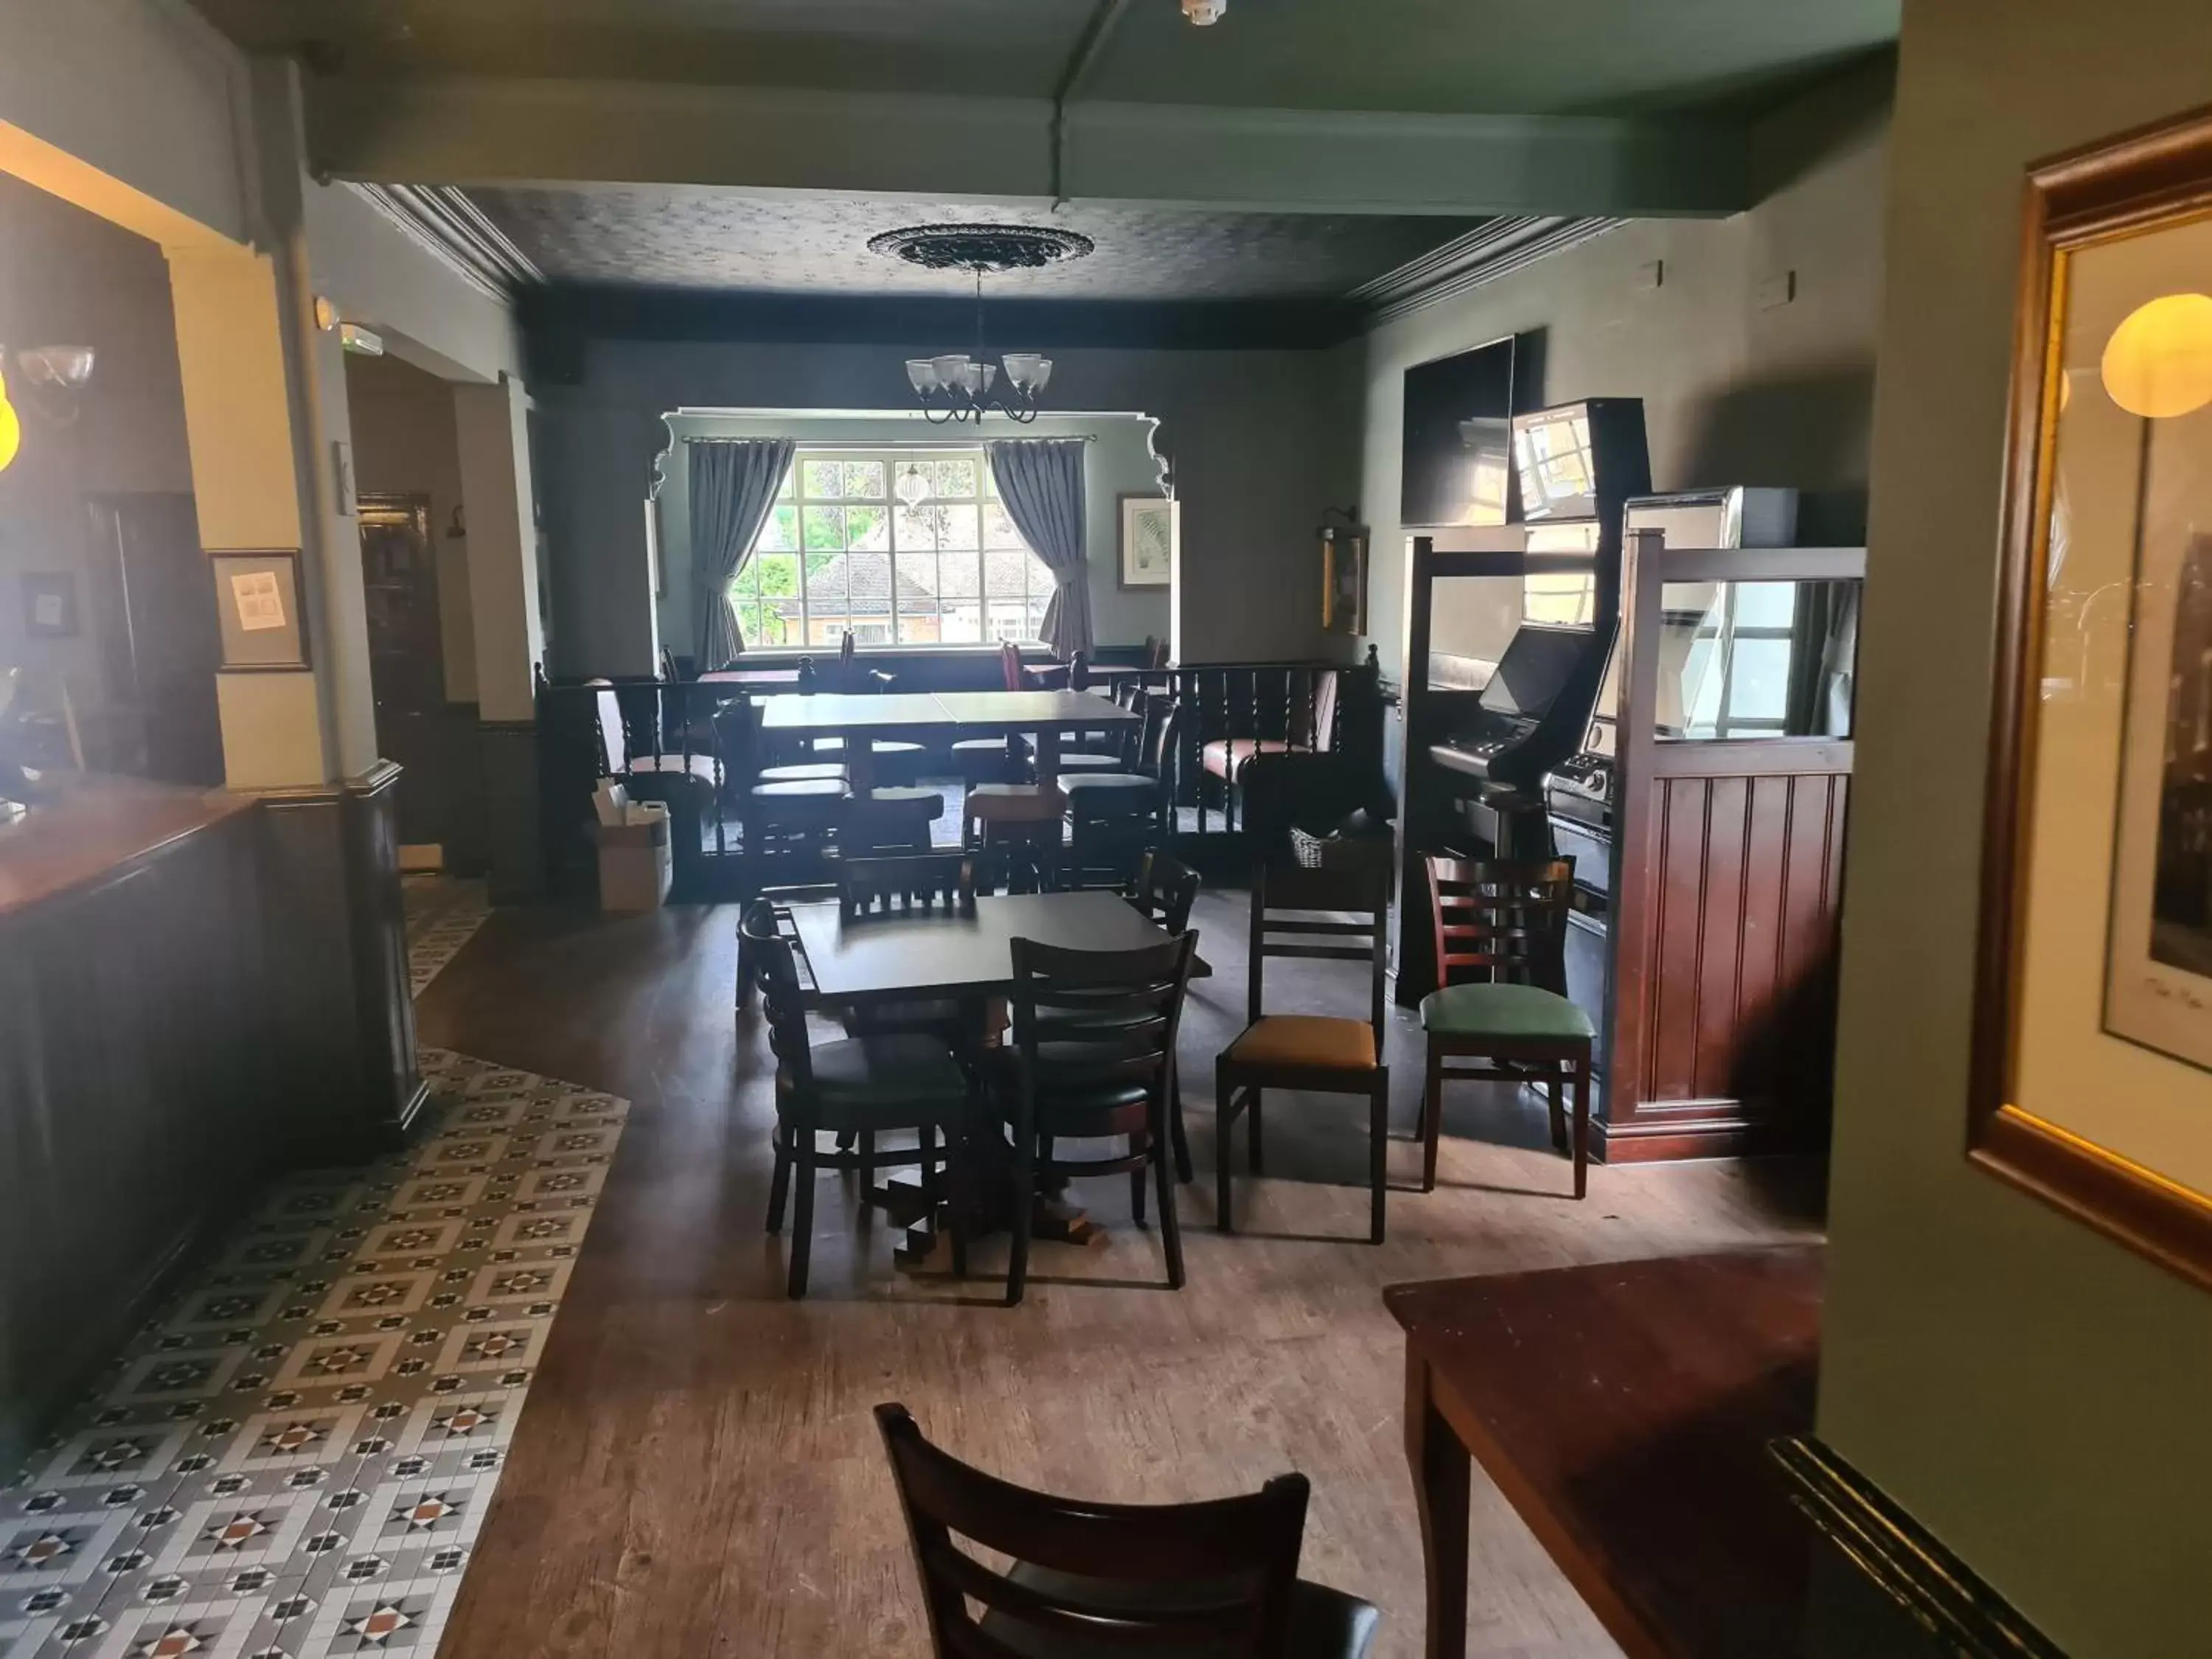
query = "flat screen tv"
{"x": 1458, "y": 443}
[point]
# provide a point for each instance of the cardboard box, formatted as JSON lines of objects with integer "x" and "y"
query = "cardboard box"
{"x": 636, "y": 863}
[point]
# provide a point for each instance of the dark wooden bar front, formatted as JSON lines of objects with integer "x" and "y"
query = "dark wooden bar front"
{"x": 192, "y": 995}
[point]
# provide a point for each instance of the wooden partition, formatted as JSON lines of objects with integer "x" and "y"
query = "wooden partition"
{"x": 1726, "y": 894}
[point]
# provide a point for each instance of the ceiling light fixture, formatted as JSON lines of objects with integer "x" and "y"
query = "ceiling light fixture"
{"x": 1205, "y": 12}
{"x": 955, "y": 386}
{"x": 47, "y": 380}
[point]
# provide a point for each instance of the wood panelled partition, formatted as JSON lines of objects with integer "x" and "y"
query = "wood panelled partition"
{"x": 1727, "y": 892}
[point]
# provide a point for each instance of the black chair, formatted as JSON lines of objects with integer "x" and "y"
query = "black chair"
{"x": 1165, "y": 890}
{"x": 1114, "y": 817}
{"x": 1212, "y": 1580}
{"x": 859, "y": 1087}
{"x": 1094, "y": 1059}
{"x": 880, "y": 886}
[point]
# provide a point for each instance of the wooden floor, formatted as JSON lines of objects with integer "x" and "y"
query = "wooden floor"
{"x": 697, "y": 1472}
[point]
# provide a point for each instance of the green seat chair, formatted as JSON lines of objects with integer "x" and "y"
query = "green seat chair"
{"x": 1505, "y": 922}
{"x": 860, "y": 1088}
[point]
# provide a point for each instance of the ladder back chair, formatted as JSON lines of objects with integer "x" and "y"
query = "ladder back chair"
{"x": 1501, "y": 930}
{"x": 1094, "y": 1059}
{"x": 1300, "y": 913}
{"x": 1165, "y": 890}
{"x": 1211, "y": 1580}
{"x": 858, "y": 1087}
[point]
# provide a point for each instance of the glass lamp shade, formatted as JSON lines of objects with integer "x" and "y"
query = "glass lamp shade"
{"x": 922, "y": 373}
{"x": 952, "y": 370}
{"x": 2158, "y": 364}
{"x": 990, "y": 373}
{"x": 913, "y": 488}
{"x": 1027, "y": 370}
{"x": 971, "y": 376}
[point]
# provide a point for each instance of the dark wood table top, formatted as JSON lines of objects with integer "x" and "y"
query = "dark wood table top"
{"x": 1625, "y": 1412}
{"x": 1034, "y": 711}
{"x": 913, "y": 954}
{"x": 91, "y": 824}
{"x": 850, "y": 711}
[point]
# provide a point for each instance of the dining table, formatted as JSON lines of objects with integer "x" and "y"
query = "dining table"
{"x": 963, "y": 952}
{"x": 861, "y": 718}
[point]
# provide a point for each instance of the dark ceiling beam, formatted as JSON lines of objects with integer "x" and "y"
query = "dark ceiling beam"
{"x": 464, "y": 130}
{"x": 1099, "y": 26}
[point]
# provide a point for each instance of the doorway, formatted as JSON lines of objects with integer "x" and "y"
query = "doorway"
{"x": 160, "y": 644}
{"x": 406, "y": 667}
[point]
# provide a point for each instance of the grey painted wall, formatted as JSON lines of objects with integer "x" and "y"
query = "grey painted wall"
{"x": 1733, "y": 393}
{"x": 1260, "y": 442}
{"x": 1120, "y": 462}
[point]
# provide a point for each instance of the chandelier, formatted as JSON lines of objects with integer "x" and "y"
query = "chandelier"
{"x": 958, "y": 386}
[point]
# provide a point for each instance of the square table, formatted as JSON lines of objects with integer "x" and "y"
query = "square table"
{"x": 921, "y": 955}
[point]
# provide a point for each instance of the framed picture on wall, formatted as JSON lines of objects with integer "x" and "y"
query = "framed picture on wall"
{"x": 50, "y": 604}
{"x": 2092, "y": 1056}
{"x": 1151, "y": 527}
{"x": 258, "y": 603}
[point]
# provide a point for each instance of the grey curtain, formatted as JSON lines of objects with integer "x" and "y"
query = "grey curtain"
{"x": 1824, "y": 642}
{"x": 734, "y": 485}
{"x": 1041, "y": 482}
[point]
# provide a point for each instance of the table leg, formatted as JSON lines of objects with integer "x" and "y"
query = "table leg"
{"x": 859, "y": 764}
{"x": 1047, "y": 755}
{"x": 1440, "y": 1487}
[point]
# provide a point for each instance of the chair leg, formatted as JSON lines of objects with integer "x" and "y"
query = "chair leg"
{"x": 1555, "y": 1084}
{"x": 1581, "y": 1123}
{"x": 778, "y": 1183}
{"x": 1252, "y": 1129}
{"x": 1171, "y": 1224}
{"x": 1139, "y": 1142}
{"x": 744, "y": 975}
{"x": 958, "y": 1183}
{"x": 1225, "y": 1120}
{"x": 802, "y": 1230}
{"x": 867, "y": 1163}
{"x": 1378, "y": 1152}
{"x": 1432, "y": 1118}
{"x": 1017, "y": 1262}
{"x": 1175, "y": 1131}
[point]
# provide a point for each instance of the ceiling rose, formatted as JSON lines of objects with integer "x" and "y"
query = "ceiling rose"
{"x": 981, "y": 248}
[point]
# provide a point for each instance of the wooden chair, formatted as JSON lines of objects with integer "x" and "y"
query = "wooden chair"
{"x": 1317, "y": 1053}
{"x": 1094, "y": 1047}
{"x": 1165, "y": 890}
{"x": 1509, "y": 923}
{"x": 862, "y": 1087}
{"x": 1114, "y": 817}
{"x": 890, "y": 821}
{"x": 881, "y": 886}
{"x": 1094, "y": 1581}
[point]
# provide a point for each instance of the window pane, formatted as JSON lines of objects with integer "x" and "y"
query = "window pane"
{"x": 1759, "y": 681}
{"x": 1765, "y": 604}
{"x": 1041, "y": 582}
{"x": 779, "y": 620}
{"x": 1038, "y": 605}
{"x": 825, "y": 596}
{"x": 822, "y": 478}
{"x": 870, "y": 605}
{"x": 825, "y": 528}
{"x": 866, "y": 530}
{"x": 749, "y": 623}
{"x": 951, "y": 475}
{"x": 789, "y": 487}
{"x": 778, "y": 574}
{"x": 937, "y": 525}
{"x": 1010, "y": 622}
{"x": 998, "y": 530}
{"x": 780, "y": 533}
{"x": 863, "y": 481}
{"x": 1006, "y": 575}
{"x": 961, "y": 622}
{"x": 959, "y": 576}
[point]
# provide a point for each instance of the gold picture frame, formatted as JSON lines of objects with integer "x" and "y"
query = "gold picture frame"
{"x": 2091, "y": 1085}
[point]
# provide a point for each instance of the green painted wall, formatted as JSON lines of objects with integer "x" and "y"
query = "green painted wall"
{"x": 2033, "y": 1393}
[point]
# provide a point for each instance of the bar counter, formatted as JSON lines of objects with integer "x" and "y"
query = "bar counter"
{"x": 136, "y": 1104}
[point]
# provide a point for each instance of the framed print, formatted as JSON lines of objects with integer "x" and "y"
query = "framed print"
{"x": 2092, "y": 1083}
{"x": 258, "y": 605}
{"x": 1151, "y": 528}
{"x": 50, "y": 604}
{"x": 1344, "y": 580}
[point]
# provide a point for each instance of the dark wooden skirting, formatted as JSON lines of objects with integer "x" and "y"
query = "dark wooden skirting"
{"x": 514, "y": 813}
{"x": 1942, "y": 1594}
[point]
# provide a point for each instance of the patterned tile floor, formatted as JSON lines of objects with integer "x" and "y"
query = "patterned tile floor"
{"x": 294, "y": 1458}
{"x": 443, "y": 914}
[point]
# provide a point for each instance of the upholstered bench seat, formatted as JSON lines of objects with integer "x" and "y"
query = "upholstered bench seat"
{"x": 1227, "y": 757}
